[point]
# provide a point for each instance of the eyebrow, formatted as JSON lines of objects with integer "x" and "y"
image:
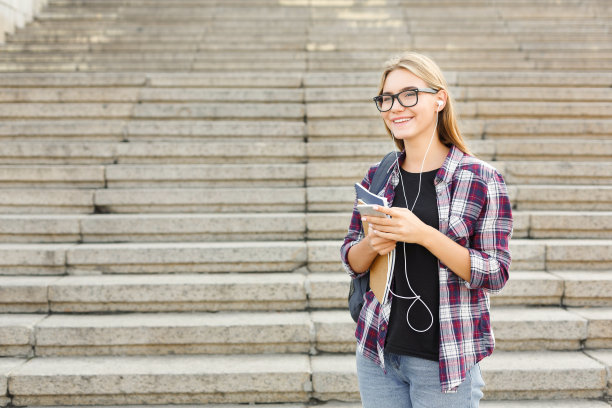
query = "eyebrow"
{"x": 401, "y": 90}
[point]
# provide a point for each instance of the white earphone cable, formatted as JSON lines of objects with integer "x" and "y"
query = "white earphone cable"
{"x": 415, "y": 298}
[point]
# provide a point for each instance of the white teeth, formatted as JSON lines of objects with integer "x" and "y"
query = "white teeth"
{"x": 401, "y": 120}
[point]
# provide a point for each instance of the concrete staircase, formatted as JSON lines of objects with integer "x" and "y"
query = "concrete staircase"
{"x": 171, "y": 214}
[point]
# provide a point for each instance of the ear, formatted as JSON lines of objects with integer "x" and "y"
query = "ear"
{"x": 441, "y": 99}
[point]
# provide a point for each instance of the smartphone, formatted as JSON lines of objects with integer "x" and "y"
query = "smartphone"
{"x": 365, "y": 209}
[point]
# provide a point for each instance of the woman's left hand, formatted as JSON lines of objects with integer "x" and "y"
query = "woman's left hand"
{"x": 402, "y": 226}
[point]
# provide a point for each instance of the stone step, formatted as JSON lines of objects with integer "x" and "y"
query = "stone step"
{"x": 223, "y": 57}
{"x": 269, "y": 256}
{"x": 191, "y": 15}
{"x": 314, "y": 174}
{"x": 599, "y": 328}
{"x": 527, "y": 224}
{"x": 588, "y": 288}
{"x": 174, "y": 333}
{"x": 264, "y": 199}
{"x": 516, "y": 329}
{"x": 134, "y": 152}
{"x": 51, "y": 152}
{"x": 530, "y": 149}
{"x": 281, "y": 66}
{"x": 193, "y": 257}
{"x": 262, "y": 291}
{"x": 569, "y": 403}
{"x": 189, "y": 3}
{"x": 508, "y": 375}
{"x": 94, "y": 31}
{"x": 488, "y": 150}
{"x": 131, "y": 27}
{"x": 302, "y": 32}
{"x": 202, "y": 64}
{"x": 550, "y": 255}
{"x": 213, "y": 199}
{"x": 153, "y": 95}
{"x": 471, "y": 78}
{"x": 459, "y": 93}
{"x": 294, "y": 80}
{"x": 7, "y": 365}
{"x": 161, "y": 380}
{"x": 216, "y": 110}
{"x": 202, "y": 37}
{"x": 66, "y": 176}
{"x": 147, "y": 200}
{"x": 317, "y": 130}
{"x": 26, "y": 335}
{"x": 523, "y": 197}
{"x": 501, "y": 109}
{"x": 157, "y": 227}
{"x": 525, "y": 288}
{"x": 333, "y": 130}
{"x": 170, "y": 79}
{"x": 191, "y": 47}
{"x": 310, "y": 95}
{"x": 47, "y": 201}
{"x": 155, "y": 293}
{"x": 138, "y": 62}
{"x": 276, "y": 378}
{"x": 206, "y": 175}
{"x": 554, "y": 45}
{"x": 520, "y": 172}
{"x": 73, "y": 228}
{"x": 120, "y": 129}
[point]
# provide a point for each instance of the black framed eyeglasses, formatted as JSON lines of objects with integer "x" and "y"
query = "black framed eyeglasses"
{"x": 406, "y": 98}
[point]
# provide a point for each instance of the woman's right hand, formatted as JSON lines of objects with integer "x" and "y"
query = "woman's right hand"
{"x": 382, "y": 246}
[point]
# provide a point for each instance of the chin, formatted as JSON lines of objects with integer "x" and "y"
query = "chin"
{"x": 404, "y": 135}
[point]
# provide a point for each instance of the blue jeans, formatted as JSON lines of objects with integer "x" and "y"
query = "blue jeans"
{"x": 413, "y": 382}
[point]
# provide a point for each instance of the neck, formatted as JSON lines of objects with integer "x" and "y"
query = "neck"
{"x": 415, "y": 151}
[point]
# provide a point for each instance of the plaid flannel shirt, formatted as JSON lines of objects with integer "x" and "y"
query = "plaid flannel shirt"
{"x": 474, "y": 211}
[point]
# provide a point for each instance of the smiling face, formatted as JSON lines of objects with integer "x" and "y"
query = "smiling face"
{"x": 410, "y": 124}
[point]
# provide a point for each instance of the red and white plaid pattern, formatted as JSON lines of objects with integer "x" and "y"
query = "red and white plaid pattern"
{"x": 474, "y": 211}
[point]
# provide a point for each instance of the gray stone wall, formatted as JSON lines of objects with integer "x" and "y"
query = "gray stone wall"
{"x": 16, "y": 13}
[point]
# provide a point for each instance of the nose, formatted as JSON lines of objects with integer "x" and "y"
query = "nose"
{"x": 397, "y": 107}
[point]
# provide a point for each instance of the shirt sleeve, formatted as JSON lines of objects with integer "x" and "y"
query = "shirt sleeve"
{"x": 489, "y": 252}
{"x": 355, "y": 231}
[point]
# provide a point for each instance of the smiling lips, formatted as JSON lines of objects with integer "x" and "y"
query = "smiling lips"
{"x": 399, "y": 121}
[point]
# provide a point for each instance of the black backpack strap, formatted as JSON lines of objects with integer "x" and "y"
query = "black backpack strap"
{"x": 383, "y": 172}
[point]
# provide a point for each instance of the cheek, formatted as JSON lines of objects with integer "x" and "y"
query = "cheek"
{"x": 385, "y": 117}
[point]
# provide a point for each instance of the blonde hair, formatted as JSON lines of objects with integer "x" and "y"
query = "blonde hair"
{"x": 424, "y": 68}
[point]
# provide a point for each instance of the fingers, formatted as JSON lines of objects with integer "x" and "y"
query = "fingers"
{"x": 386, "y": 249}
{"x": 378, "y": 220}
{"x": 380, "y": 245}
{"x": 387, "y": 235}
{"x": 383, "y": 228}
{"x": 385, "y": 210}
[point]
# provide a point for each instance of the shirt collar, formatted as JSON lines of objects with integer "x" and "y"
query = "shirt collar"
{"x": 445, "y": 174}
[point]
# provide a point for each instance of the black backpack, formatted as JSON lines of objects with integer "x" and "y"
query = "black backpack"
{"x": 361, "y": 284}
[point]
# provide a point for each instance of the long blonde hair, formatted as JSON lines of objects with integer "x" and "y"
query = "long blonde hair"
{"x": 424, "y": 68}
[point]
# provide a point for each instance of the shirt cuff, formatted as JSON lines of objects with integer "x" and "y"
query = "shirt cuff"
{"x": 345, "y": 263}
{"x": 481, "y": 269}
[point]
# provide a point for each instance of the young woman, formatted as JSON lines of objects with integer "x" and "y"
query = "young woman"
{"x": 450, "y": 222}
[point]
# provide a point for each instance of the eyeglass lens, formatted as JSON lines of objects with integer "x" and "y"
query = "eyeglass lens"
{"x": 407, "y": 99}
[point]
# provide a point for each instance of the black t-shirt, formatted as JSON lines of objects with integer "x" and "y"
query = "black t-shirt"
{"x": 422, "y": 271}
